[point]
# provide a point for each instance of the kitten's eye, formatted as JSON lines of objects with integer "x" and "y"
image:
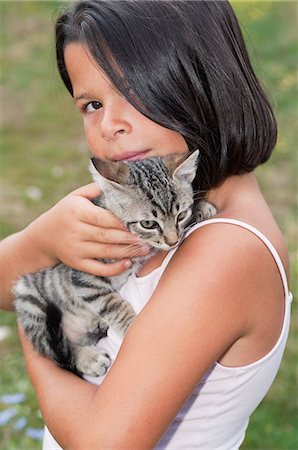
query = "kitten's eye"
{"x": 149, "y": 224}
{"x": 181, "y": 216}
{"x": 92, "y": 106}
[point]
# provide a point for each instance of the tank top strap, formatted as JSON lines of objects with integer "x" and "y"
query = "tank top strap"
{"x": 248, "y": 227}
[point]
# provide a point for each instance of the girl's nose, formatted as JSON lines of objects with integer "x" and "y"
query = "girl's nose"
{"x": 115, "y": 122}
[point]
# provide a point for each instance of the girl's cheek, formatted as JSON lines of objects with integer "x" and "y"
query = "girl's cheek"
{"x": 92, "y": 137}
{"x": 89, "y": 123}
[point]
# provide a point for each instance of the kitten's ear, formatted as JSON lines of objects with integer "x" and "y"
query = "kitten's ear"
{"x": 186, "y": 171}
{"x": 115, "y": 173}
{"x": 173, "y": 160}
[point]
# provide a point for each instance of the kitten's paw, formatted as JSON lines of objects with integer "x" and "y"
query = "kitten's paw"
{"x": 92, "y": 361}
{"x": 205, "y": 210}
{"x": 129, "y": 315}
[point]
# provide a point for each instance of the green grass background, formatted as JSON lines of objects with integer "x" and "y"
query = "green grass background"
{"x": 44, "y": 156}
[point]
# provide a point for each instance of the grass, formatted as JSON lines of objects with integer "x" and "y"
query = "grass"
{"x": 44, "y": 156}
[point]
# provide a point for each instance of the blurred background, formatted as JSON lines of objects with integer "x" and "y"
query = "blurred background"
{"x": 44, "y": 156}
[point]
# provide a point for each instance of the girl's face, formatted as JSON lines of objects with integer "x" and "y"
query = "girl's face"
{"x": 115, "y": 130}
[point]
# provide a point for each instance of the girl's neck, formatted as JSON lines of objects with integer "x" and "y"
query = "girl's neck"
{"x": 234, "y": 191}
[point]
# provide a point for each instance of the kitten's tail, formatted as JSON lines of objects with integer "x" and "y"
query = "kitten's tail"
{"x": 58, "y": 342}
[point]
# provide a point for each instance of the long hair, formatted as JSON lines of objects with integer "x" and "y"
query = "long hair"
{"x": 184, "y": 65}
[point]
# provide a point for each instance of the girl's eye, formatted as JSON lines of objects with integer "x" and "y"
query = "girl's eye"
{"x": 149, "y": 224}
{"x": 92, "y": 106}
{"x": 182, "y": 216}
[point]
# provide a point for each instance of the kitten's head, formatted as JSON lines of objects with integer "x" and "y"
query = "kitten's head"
{"x": 152, "y": 197}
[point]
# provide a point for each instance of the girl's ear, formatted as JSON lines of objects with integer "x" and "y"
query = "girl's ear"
{"x": 187, "y": 170}
{"x": 113, "y": 173}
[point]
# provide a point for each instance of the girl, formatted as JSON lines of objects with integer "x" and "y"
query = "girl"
{"x": 153, "y": 78}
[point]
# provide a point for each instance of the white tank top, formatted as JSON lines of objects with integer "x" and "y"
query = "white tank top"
{"x": 216, "y": 415}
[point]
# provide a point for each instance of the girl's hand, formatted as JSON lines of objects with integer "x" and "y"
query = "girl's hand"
{"x": 77, "y": 233}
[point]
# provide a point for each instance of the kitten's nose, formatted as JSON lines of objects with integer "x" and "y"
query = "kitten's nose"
{"x": 171, "y": 239}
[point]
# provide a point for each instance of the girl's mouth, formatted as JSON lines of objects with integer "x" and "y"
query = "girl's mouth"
{"x": 132, "y": 156}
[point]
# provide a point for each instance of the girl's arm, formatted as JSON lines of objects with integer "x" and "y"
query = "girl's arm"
{"x": 75, "y": 232}
{"x": 202, "y": 305}
{"x": 19, "y": 253}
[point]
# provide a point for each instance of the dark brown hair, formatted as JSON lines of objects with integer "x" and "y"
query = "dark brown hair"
{"x": 186, "y": 63}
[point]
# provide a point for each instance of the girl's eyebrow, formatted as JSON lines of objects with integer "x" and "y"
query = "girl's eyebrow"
{"x": 84, "y": 95}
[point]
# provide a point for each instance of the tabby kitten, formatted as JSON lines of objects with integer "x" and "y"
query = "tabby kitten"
{"x": 63, "y": 311}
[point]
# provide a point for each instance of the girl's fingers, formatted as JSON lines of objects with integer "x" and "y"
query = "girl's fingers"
{"x": 89, "y": 191}
{"x": 98, "y": 268}
{"x": 114, "y": 251}
{"x": 109, "y": 236}
{"x": 100, "y": 217}
{"x": 88, "y": 212}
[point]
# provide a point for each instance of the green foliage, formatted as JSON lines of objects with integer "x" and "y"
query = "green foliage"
{"x": 44, "y": 154}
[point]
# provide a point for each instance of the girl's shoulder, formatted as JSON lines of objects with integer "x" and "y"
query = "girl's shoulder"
{"x": 220, "y": 241}
{"x": 239, "y": 244}
{"x": 224, "y": 241}
{"x": 239, "y": 238}
{"x": 227, "y": 262}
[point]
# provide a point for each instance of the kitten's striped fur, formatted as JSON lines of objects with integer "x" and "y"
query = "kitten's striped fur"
{"x": 65, "y": 312}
